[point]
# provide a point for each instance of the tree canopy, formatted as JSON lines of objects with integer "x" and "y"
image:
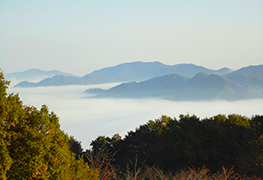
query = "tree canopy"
{"x": 32, "y": 145}
{"x": 171, "y": 144}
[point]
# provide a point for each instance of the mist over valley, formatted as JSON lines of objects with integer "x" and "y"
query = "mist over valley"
{"x": 87, "y": 118}
{"x": 139, "y": 92}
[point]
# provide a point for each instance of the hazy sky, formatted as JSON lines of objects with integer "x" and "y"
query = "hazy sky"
{"x": 79, "y": 36}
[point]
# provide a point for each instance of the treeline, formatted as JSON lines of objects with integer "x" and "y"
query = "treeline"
{"x": 169, "y": 144}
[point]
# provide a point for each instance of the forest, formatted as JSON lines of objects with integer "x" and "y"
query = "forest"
{"x": 33, "y": 146}
{"x": 169, "y": 144}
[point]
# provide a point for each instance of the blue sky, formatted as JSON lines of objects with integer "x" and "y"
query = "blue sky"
{"x": 82, "y": 35}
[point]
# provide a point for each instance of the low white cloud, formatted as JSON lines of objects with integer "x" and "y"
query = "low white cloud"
{"x": 88, "y": 118}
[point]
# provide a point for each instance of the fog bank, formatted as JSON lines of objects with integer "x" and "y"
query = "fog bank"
{"x": 88, "y": 118}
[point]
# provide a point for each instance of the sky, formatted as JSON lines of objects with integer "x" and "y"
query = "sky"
{"x": 81, "y": 36}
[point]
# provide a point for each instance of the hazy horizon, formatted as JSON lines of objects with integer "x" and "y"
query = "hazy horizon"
{"x": 15, "y": 81}
{"x": 87, "y": 118}
{"x": 119, "y": 64}
{"x": 81, "y": 36}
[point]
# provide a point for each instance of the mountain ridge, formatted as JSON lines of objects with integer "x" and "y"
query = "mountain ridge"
{"x": 35, "y": 74}
{"x": 134, "y": 71}
{"x": 174, "y": 82}
{"x": 176, "y": 87}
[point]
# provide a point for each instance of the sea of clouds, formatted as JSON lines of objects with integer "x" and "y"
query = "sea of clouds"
{"x": 87, "y": 118}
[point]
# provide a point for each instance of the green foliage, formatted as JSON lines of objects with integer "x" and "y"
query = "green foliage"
{"x": 5, "y": 159}
{"x": 80, "y": 170}
{"x": 32, "y": 146}
{"x": 159, "y": 125}
{"x": 171, "y": 144}
{"x": 103, "y": 142}
{"x": 75, "y": 147}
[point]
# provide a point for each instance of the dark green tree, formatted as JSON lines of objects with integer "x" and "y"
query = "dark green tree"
{"x": 75, "y": 147}
{"x": 171, "y": 144}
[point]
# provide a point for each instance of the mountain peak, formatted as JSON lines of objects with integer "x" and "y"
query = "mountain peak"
{"x": 249, "y": 70}
{"x": 200, "y": 75}
{"x": 34, "y": 75}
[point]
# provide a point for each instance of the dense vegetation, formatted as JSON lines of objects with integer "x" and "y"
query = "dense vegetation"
{"x": 171, "y": 145}
{"x": 32, "y": 146}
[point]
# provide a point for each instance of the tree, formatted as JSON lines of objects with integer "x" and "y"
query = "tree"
{"x": 170, "y": 144}
{"x": 32, "y": 145}
{"x": 75, "y": 147}
{"x": 5, "y": 159}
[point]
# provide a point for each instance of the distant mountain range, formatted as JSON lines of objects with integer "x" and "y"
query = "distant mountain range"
{"x": 135, "y": 71}
{"x": 177, "y": 82}
{"x": 35, "y": 75}
{"x": 175, "y": 87}
{"x": 245, "y": 83}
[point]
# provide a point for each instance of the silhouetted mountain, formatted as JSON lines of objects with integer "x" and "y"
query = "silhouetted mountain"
{"x": 135, "y": 71}
{"x": 190, "y": 70}
{"x": 34, "y": 74}
{"x": 248, "y": 76}
{"x": 176, "y": 87}
{"x": 57, "y": 80}
{"x": 94, "y": 91}
{"x": 254, "y": 71}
